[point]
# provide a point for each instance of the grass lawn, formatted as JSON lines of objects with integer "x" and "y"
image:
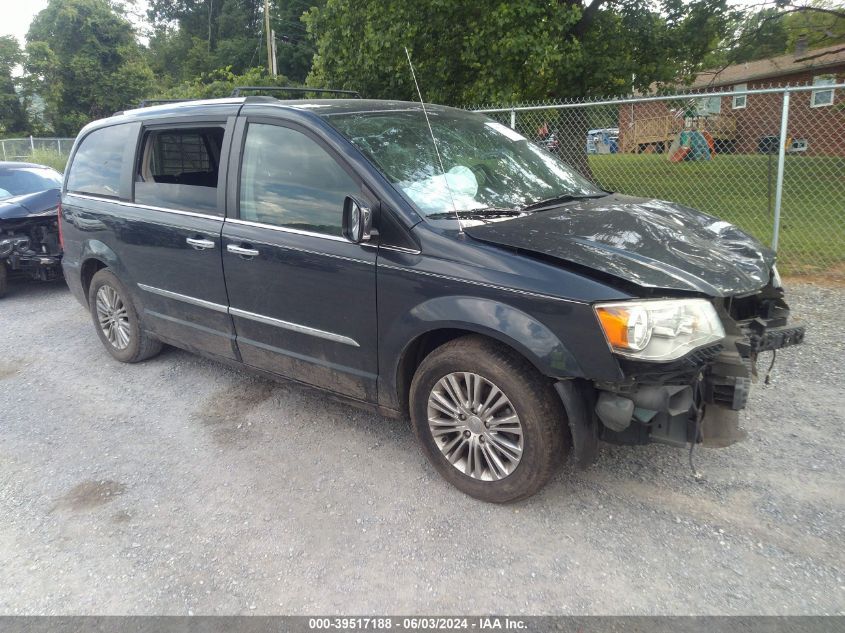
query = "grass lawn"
{"x": 736, "y": 188}
{"x": 49, "y": 157}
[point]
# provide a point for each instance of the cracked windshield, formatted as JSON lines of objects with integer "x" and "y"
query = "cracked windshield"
{"x": 490, "y": 169}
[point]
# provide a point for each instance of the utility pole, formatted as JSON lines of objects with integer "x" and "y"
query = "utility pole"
{"x": 275, "y": 66}
{"x": 269, "y": 36}
{"x": 210, "y": 13}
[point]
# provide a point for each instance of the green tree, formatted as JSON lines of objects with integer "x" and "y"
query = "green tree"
{"x": 13, "y": 119}
{"x": 221, "y": 83}
{"x": 753, "y": 35}
{"x": 294, "y": 48}
{"x": 84, "y": 61}
{"x": 776, "y": 28}
{"x": 491, "y": 50}
{"x": 191, "y": 37}
{"x": 819, "y": 24}
{"x": 494, "y": 51}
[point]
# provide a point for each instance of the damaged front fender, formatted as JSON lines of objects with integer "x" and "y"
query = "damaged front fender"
{"x": 696, "y": 398}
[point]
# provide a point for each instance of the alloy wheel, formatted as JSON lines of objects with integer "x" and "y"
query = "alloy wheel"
{"x": 113, "y": 317}
{"x": 475, "y": 426}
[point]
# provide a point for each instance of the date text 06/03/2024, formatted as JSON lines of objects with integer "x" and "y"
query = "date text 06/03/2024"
{"x": 418, "y": 623}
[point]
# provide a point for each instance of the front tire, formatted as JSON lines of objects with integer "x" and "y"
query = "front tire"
{"x": 4, "y": 278}
{"x": 487, "y": 420}
{"x": 116, "y": 320}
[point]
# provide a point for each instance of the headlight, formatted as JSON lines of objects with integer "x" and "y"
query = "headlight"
{"x": 9, "y": 244}
{"x": 659, "y": 330}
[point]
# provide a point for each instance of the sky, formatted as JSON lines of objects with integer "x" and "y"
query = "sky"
{"x": 17, "y": 14}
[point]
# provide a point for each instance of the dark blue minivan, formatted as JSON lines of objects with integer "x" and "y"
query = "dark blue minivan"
{"x": 428, "y": 262}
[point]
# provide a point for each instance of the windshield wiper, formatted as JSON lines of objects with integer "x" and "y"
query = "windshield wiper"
{"x": 476, "y": 214}
{"x": 563, "y": 199}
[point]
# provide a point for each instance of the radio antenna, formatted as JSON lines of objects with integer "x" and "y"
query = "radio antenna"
{"x": 434, "y": 142}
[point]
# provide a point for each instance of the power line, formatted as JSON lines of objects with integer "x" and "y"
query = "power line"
{"x": 258, "y": 47}
{"x": 300, "y": 44}
{"x": 307, "y": 4}
{"x": 291, "y": 24}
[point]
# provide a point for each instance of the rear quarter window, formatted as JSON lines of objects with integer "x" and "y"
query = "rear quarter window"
{"x": 98, "y": 163}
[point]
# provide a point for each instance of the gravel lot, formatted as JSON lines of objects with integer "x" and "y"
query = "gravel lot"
{"x": 180, "y": 486}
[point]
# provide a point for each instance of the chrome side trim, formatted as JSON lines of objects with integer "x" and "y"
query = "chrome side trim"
{"x": 252, "y": 316}
{"x": 294, "y": 327}
{"x": 85, "y": 196}
{"x": 303, "y": 250}
{"x": 285, "y": 229}
{"x": 192, "y": 214}
{"x": 201, "y": 328}
{"x": 149, "y": 207}
{"x": 324, "y": 254}
{"x": 481, "y": 283}
{"x": 309, "y": 359}
{"x": 217, "y": 307}
{"x": 400, "y": 249}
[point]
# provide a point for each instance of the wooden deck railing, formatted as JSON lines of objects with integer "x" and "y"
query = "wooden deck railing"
{"x": 662, "y": 129}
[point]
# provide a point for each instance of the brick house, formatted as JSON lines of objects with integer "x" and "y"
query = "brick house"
{"x": 738, "y": 123}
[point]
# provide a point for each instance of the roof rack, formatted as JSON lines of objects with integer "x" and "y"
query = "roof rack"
{"x": 237, "y": 91}
{"x": 148, "y": 102}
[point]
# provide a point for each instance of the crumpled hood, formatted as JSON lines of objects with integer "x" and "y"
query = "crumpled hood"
{"x": 652, "y": 243}
{"x": 29, "y": 205}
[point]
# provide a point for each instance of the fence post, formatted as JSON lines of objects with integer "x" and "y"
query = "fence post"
{"x": 59, "y": 143}
{"x": 3, "y": 143}
{"x": 31, "y": 143}
{"x": 784, "y": 119}
{"x": 513, "y": 119}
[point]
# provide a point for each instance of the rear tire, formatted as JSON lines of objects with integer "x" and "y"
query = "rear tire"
{"x": 116, "y": 320}
{"x": 500, "y": 450}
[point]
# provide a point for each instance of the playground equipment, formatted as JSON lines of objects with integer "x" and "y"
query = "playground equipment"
{"x": 692, "y": 145}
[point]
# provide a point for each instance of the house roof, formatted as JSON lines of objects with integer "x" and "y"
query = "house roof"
{"x": 816, "y": 59}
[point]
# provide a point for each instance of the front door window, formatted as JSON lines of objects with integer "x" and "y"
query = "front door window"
{"x": 289, "y": 180}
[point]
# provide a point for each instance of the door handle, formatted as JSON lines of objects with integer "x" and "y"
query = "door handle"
{"x": 199, "y": 243}
{"x": 240, "y": 250}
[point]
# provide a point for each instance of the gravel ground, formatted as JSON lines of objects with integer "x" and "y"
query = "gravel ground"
{"x": 180, "y": 486}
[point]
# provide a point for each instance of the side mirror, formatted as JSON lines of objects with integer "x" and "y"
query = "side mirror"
{"x": 357, "y": 221}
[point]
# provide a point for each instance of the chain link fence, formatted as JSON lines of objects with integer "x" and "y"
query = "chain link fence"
{"x": 720, "y": 152}
{"x": 51, "y": 151}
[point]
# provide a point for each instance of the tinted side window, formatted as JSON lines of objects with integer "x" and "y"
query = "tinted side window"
{"x": 288, "y": 180}
{"x": 98, "y": 162}
{"x": 179, "y": 168}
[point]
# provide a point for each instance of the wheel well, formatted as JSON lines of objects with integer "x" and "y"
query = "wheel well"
{"x": 89, "y": 269}
{"x": 415, "y": 353}
{"x": 421, "y": 347}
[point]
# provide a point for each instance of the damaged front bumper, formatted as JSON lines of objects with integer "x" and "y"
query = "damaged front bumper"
{"x": 696, "y": 398}
{"x": 30, "y": 247}
{"x": 40, "y": 267}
